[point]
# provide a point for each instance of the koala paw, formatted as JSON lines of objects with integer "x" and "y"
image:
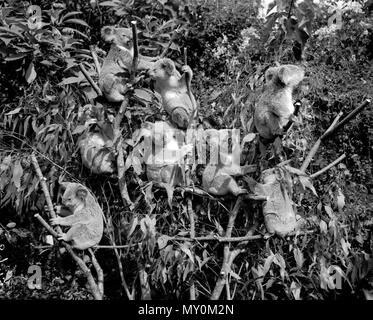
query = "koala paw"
{"x": 187, "y": 70}
{"x": 55, "y": 221}
{"x": 62, "y": 236}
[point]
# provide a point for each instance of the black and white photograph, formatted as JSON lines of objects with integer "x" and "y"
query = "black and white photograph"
{"x": 186, "y": 155}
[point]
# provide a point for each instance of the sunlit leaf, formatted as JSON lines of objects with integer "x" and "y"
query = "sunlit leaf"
{"x": 30, "y": 75}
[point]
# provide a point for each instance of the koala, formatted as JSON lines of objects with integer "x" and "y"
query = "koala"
{"x": 173, "y": 88}
{"x": 112, "y": 78}
{"x": 279, "y": 215}
{"x": 217, "y": 176}
{"x": 86, "y": 220}
{"x": 275, "y": 107}
{"x": 95, "y": 153}
{"x": 165, "y": 164}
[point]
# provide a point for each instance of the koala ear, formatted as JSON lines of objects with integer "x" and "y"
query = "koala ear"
{"x": 107, "y": 33}
{"x": 64, "y": 185}
{"x": 290, "y": 75}
{"x": 270, "y": 73}
{"x": 169, "y": 66}
{"x": 81, "y": 193}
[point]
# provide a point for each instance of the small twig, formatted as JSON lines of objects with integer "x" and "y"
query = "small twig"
{"x": 89, "y": 79}
{"x": 291, "y": 7}
{"x": 331, "y": 165}
{"x": 95, "y": 59}
{"x": 316, "y": 146}
{"x": 135, "y": 60}
{"x": 348, "y": 118}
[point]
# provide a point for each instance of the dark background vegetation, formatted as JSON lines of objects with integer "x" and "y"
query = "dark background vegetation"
{"x": 43, "y": 95}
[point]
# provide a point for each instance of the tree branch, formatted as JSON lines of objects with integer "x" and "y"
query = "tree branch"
{"x": 135, "y": 60}
{"x": 90, "y": 80}
{"x": 95, "y": 59}
{"x": 331, "y": 165}
{"x": 87, "y": 273}
{"x": 92, "y": 284}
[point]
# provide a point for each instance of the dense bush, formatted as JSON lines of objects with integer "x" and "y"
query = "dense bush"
{"x": 45, "y": 99}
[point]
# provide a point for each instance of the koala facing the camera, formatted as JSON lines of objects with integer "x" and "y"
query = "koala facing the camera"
{"x": 275, "y": 106}
{"x": 112, "y": 78}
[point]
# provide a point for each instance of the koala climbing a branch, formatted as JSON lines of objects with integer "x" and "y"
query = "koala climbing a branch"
{"x": 275, "y": 107}
{"x": 86, "y": 220}
{"x": 173, "y": 88}
{"x": 118, "y": 62}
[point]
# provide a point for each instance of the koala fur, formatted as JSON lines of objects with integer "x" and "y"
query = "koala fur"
{"x": 165, "y": 164}
{"x": 95, "y": 154}
{"x": 174, "y": 91}
{"x": 86, "y": 220}
{"x": 112, "y": 78}
{"x": 217, "y": 177}
{"x": 279, "y": 215}
{"x": 275, "y": 107}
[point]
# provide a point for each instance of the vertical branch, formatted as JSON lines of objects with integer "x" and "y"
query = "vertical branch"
{"x": 229, "y": 256}
{"x": 44, "y": 187}
{"x": 291, "y": 7}
{"x": 144, "y": 283}
{"x": 99, "y": 272}
{"x": 95, "y": 59}
{"x": 192, "y": 290}
{"x": 95, "y": 290}
{"x": 135, "y": 60}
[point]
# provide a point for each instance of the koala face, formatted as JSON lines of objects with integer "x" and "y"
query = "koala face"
{"x": 74, "y": 195}
{"x": 286, "y": 75}
{"x": 162, "y": 69}
{"x": 119, "y": 36}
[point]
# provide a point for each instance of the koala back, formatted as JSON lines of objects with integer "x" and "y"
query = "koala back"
{"x": 95, "y": 156}
{"x": 117, "y": 60}
{"x": 279, "y": 215}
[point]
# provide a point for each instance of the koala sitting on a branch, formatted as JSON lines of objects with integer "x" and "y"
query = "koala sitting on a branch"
{"x": 118, "y": 62}
{"x": 275, "y": 106}
{"x": 177, "y": 101}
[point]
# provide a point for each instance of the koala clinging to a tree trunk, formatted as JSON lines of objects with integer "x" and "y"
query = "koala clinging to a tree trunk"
{"x": 275, "y": 106}
{"x": 173, "y": 88}
{"x": 86, "y": 220}
{"x": 118, "y": 62}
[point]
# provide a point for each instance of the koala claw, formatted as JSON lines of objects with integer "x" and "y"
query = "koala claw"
{"x": 187, "y": 69}
{"x": 62, "y": 236}
{"x": 54, "y": 221}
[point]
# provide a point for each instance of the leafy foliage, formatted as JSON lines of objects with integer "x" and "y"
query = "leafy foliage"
{"x": 47, "y": 103}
